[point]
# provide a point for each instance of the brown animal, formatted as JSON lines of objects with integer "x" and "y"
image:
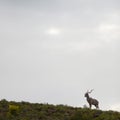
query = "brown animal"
{"x": 91, "y": 101}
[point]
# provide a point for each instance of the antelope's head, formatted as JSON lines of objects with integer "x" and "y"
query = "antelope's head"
{"x": 87, "y": 93}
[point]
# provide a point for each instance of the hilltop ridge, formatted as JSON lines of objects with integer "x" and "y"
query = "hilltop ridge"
{"x": 11, "y": 110}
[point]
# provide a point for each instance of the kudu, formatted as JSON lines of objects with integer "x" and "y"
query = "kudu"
{"x": 91, "y": 101}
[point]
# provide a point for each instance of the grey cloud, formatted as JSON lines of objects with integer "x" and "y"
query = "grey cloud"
{"x": 57, "y": 68}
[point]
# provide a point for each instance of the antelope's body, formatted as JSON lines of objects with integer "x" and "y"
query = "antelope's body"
{"x": 91, "y": 101}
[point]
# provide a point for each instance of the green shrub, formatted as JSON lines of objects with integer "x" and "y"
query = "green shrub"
{"x": 13, "y": 109}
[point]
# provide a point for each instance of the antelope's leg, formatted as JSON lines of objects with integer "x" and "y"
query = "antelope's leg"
{"x": 90, "y": 106}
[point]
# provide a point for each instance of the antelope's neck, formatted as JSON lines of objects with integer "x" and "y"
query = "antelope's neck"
{"x": 88, "y": 97}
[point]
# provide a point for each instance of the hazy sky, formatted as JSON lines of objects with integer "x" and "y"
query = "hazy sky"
{"x": 52, "y": 51}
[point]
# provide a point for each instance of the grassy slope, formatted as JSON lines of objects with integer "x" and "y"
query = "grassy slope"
{"x": 30, "y": 111}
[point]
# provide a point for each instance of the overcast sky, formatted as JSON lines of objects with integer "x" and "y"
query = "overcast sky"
{"x": 53, "y": 51}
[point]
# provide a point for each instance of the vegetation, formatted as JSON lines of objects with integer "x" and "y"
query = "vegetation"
{"x": 34, "y": 111}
